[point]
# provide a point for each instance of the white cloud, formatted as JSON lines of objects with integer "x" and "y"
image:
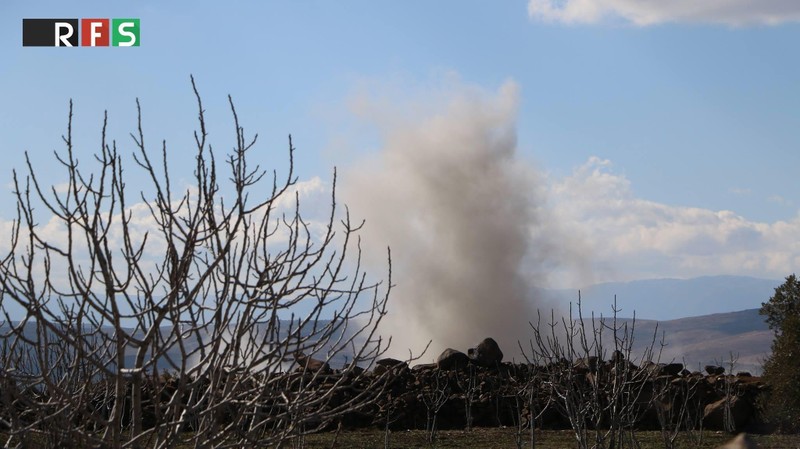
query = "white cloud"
{"x": 778, "y": 199}
{"x": 740, "y": 191}
{"x": 633, "y": 238}
{"x": 314, "y": 196}
{"x": 651, "y": 12}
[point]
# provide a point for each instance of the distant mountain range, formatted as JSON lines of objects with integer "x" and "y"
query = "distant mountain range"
{"x": 667, "y": 299}
{"x": 716, "y": 339}
{"x": 704, "y": 320}
{"x": 726, "y": 322}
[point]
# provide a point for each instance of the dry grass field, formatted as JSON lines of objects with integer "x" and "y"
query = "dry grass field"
{"x": 491, "y": 438}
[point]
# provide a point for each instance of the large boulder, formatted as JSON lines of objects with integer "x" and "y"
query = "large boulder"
{"x": 672, "y": 369}
{"x": 307, "y": 363}
{"x": 389, "y": 364}
{"x": 714, "y": 370}
{"x": 586, "y": 364}
{"x": 741, "y": 410}
{"x": 451, "y": 359}
{"x": 486, "y": 353}
{"x": 424, "y": 367}
{"x": 663, "y": 369}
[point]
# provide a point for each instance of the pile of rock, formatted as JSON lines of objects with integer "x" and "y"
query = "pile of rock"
{"x": 487, "y": 354}
{"x": 479, "y": 389}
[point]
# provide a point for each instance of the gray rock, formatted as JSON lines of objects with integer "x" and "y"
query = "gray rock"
{"x": 741, "y": 410}
{"x": 307, "y": 363}
{"x": 451, "y": 359}
{"x": 424, "y": 367}
{"x": 586, "y": 363}
{"x": 486, "y": 353}
{"x": 672, "y": 369}
{"x": 388, "y": 364}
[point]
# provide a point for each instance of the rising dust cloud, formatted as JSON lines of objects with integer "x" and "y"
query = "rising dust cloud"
{"x": 465, "y": 218}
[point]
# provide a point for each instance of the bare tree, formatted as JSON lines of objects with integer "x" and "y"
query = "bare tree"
{"x": 678, "y": 404}
{"x": 389, "y": 411}
{"x": 603, "y": 398}
{"x": 467, "y": 382}
{"x": 181, "y": 330}
{"x": 529, "y": 405}
{"x": 434, "y": 397}
{"x": 730, "y": 392}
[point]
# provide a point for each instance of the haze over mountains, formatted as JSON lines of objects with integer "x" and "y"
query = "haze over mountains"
{"x": 668, "y": 299}
{"x": 704, "y": 320}
{"x": 734, "y": 327}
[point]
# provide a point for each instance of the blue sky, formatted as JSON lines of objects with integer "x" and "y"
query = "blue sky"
{"x": 666, "y": 138}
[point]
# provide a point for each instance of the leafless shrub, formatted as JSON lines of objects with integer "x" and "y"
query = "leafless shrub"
{"x": 180, "y": 332}
{"x": 678, "y": 403}
{"x": 434, "y": 398}
{"x": 589, "y": 374}
{"x": 467, "y": 381}
{"x": 730, "y": 392}
{"x": 528, "y": 402}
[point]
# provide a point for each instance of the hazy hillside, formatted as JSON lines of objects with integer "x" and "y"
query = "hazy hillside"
{"x": 711, "y": 339}
{"x": 667, "y": 299}
{"x": 703, "y": 320}
{"x": 697, "y": 341}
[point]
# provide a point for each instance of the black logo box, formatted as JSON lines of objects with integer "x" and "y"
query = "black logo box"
{"x": 42, "y": 32}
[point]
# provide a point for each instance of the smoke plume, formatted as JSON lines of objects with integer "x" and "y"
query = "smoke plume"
{"x": 463, "y": 215}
